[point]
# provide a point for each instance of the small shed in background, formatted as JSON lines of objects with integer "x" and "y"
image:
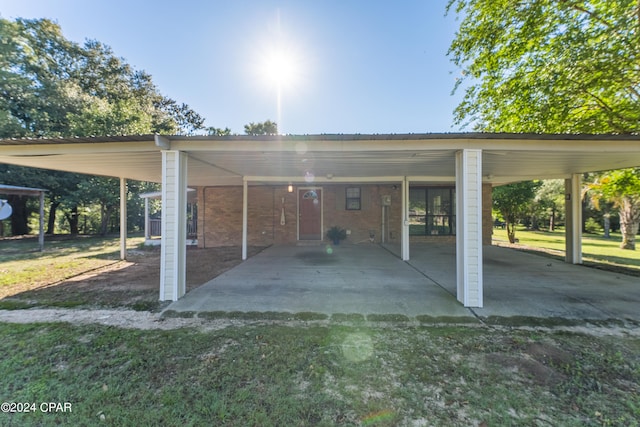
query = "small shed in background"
{"x": 28, "y": 191}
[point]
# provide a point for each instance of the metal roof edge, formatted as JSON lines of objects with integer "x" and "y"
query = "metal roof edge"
{"x": 328, "y": 137}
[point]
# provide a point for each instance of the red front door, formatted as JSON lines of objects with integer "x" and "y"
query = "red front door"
{"x": 310, "y": 214}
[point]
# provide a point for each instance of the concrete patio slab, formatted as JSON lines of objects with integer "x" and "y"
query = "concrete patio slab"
{"x": 370, "y": 279}
{"x": 365, "y": 279}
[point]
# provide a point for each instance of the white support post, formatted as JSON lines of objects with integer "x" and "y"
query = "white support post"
{"x": 41, "y": 231}
{"x": 123, "y": 218}
{"x": 405, "y": 220}
{"x": 245, "y": 203}
{"x": 383, "y": 231}
{"x": 147, "y": 231}
{"x": 573, "y": 228}
{"x": 469, "y": 227}
{"x": 173, "y": 253}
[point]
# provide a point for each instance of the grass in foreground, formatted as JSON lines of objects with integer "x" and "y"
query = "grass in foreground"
{"x": 319, "y": 375}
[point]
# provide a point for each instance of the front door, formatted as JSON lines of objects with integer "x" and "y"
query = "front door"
{"x": 310, "y": 214}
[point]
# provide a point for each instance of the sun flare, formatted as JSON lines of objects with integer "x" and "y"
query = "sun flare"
{"x": 281, "y": 67}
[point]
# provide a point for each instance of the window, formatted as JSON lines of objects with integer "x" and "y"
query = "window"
{"x": 353, "y": 199}
{"x": 432, "y": 211}
{"x": 310, "y": 195}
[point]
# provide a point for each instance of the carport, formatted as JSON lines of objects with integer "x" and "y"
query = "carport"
{"x": 370, "y": 279}
{"x": 470, "y": 160}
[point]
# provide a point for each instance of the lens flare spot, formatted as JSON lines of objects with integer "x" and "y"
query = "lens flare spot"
{"x": 378, "y": 417}
{"x": 301, "y": 148}
{"x": 309, "y": 176}
{"x": 357, "y": 347}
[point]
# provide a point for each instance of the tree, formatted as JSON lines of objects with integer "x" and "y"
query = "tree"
{"x": 550, "y": 200}
{"x": 512, "y": 201}
{"x": 551, "y": 66}
{"x": 104, "y": 192}
{"x": 36, "y": 92}
{"x": 623, "y": 188}
{"x": 218, "y": 131}
{"x": 266, "y": 128}
{"x": 52, "y": 87}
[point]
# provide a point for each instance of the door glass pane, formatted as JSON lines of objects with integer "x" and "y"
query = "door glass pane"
{"x": 439, "y": 211}
{"x": 417, "y": 211}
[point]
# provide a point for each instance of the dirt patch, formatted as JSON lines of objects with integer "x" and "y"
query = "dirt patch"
{"x": 121, "y": 318}
{"x": 526, "y": 368}
{"x": 549, "y": 354}
{"x": 537, "y": 362}
{"x": 131, "y": 283}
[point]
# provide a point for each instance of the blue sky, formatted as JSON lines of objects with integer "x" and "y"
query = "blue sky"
{"x": 360, "y": 66}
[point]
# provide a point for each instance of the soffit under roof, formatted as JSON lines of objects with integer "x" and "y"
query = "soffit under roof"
{"x": 225, "y": 160}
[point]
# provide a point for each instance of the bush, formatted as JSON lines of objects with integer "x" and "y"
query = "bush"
{"x": 592, "y": 226}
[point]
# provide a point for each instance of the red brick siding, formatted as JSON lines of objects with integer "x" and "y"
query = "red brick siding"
{"x": 368, "y": 219}
{"x": 220, "y": 214}
{"x": 220, "y": 219}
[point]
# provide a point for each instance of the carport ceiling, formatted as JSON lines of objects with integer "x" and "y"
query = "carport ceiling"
{"x": 225, "y": 160}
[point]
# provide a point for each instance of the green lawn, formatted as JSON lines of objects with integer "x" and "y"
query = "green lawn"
{"x": 595, "y": 249}
{"x": 341, "y": 371}
{"x": 63, "y": 257}
{"x": 327, "y": 375}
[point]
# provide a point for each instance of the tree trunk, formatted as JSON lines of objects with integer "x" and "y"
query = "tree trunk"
{"x": 629, "y": 222}
{"x": 607, "y": 225}
{"x": 105, "y": 216}
{"x": 534, "y": 223}
{"x": 511, "y": 232}
{"x": 72, "y": 218}
{"x": 51, "y": 220}
{"x": 552, "y": 220}
{"x": 20, "y": 215}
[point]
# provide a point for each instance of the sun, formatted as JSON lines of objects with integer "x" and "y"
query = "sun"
{"x": 281, "y": 67}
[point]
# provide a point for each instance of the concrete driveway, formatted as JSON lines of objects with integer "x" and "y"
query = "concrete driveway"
{"x": 369, "y": 279}
{"x": 523, "y": 284}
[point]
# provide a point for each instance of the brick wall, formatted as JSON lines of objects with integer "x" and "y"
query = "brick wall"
{"x": 368, "y": 220}
{"x": 220, "y": 214}
{"x": 220, "y": 221}
{"x": 220, "y": 218}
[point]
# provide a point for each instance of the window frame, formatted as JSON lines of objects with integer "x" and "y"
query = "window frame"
{"x": 352, "y": 199}
{"x": 426, "y": 228}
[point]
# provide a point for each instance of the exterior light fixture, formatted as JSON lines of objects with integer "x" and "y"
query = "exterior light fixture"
{"x": 290, "y": 188}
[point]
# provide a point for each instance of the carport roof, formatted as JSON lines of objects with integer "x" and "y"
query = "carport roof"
{"x": 225, "y": 160}
{"x": 20, "y": 191}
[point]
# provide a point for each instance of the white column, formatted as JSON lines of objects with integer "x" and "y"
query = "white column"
{"x": 173, "y": 254}
{"x": 573, "y": 213}
{"x": 245, "y": 203}
{"x": 41, "y": 231}
{"x": 147, "y": 231}
{"x": 404, "y": 237}
{"x": 469, "y": 227}
{"x": 123, "y": 218}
